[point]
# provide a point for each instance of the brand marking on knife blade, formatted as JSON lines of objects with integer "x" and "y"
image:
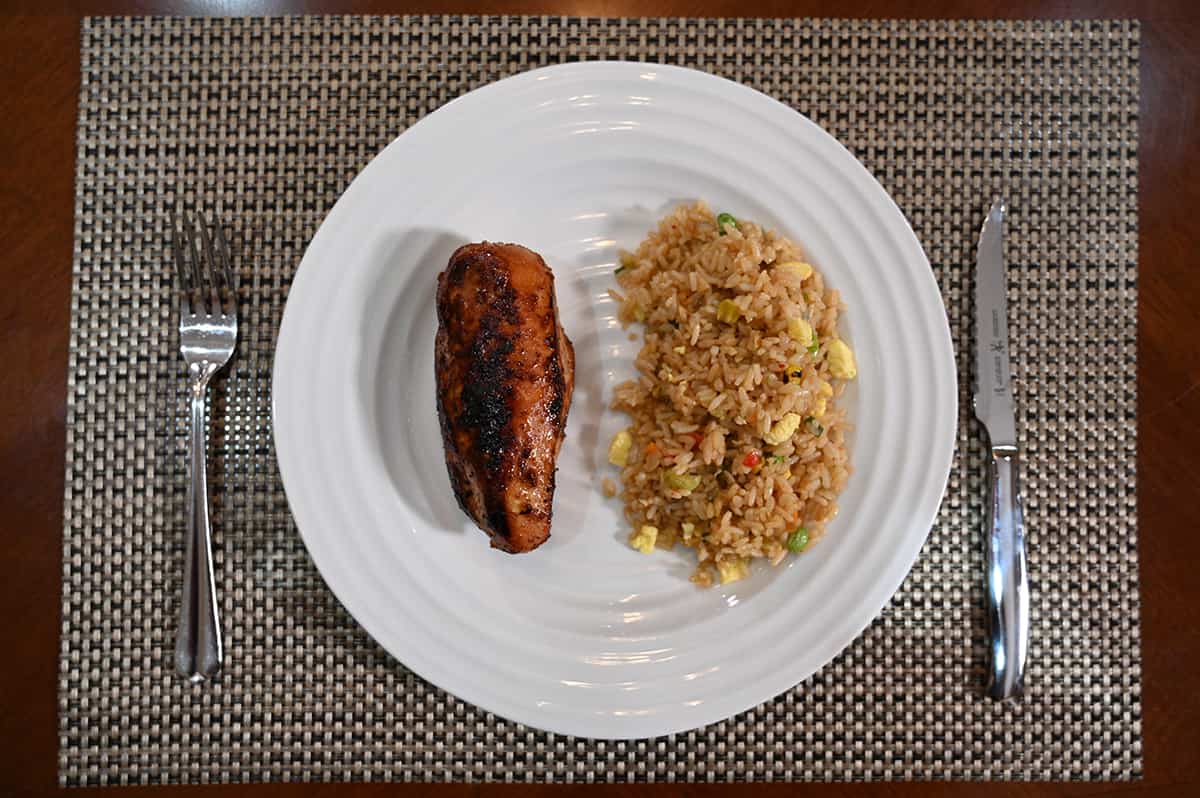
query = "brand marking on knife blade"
{"x": 997, "y": 346}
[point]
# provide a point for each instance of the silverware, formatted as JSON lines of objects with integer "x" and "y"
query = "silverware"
{"x": 1006, "y": 586}
{"x": 207, "y": 336}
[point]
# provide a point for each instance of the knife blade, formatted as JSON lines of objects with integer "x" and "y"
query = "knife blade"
{"x": 1006, "y": 585}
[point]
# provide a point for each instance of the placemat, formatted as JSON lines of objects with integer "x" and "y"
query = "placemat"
{"x": 267, "y": 120}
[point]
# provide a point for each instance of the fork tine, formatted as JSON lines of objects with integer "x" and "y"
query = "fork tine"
{"x": 183, "y": 280}
{"x": 193, "y": 258}
{"x": 211, "y": 285}
{"x": 222, "y": 266}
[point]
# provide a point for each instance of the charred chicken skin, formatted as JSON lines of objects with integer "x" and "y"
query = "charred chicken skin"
{"x": 505, "y": 371}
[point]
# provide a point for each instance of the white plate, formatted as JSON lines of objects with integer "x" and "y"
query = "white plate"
{"x": 586, "y": 636}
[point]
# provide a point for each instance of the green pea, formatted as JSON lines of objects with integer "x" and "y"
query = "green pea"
{"x": 798, "y": 540}
{"x": 724, "y": 219}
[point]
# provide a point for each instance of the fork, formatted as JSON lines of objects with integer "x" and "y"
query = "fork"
{"x": 207, "y": 337}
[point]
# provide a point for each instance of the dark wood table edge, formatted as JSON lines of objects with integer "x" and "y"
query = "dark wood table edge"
{"x": 37, "y": 144}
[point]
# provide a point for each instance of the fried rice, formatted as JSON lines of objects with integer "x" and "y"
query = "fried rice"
{"x": 736, "y": 446}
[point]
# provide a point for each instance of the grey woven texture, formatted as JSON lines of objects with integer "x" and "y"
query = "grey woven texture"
{"x": 267, "y": 120}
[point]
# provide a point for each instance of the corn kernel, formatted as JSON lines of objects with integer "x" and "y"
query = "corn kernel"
{"x": 820, "y": 406}
{"x": 800, "y": 331}
{"x": 782, "y": 429}
{"x": 681, "y": 483}
{"x": 824, "y": 388}
{"x": 733, "y": 570}
{"x": 728, "y": 311}
{"x": 794, "y": 267}
{"x": 841, "y": 360}
{"x": 643, "y": 540}
{"x": 618, "y": 450}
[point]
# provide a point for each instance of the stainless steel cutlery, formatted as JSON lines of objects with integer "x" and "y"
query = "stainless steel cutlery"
{"x": 208, "y": 325}
{"x": 1006, "y": 585}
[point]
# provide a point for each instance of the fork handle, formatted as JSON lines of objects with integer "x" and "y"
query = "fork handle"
{"x": 198, "y": 651}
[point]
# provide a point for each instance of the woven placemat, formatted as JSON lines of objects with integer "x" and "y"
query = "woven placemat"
{"x": 269, "y": 119}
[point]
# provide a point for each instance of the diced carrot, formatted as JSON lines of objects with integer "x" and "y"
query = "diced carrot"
{"x": 753, "y": 459}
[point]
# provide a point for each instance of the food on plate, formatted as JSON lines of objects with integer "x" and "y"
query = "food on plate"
{"x": 736, "y": 446}
{"x": 505, "y": 371}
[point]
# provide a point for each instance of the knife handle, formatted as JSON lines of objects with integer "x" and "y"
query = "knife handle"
{"x": 1006, "y": 586}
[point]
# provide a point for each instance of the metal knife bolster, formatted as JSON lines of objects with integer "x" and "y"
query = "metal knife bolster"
{"x": 1006, "y": 586}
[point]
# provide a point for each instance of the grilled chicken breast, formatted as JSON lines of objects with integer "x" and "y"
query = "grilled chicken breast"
{"x": 505, "y": 371}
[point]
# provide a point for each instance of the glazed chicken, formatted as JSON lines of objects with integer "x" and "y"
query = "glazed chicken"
{"x": 505, "y": 371}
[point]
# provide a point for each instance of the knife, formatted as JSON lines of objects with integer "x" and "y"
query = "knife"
{"x": 1006, "y": 586}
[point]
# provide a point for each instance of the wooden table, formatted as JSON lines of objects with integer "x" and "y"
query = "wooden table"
{"x": 39, "y": 87}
